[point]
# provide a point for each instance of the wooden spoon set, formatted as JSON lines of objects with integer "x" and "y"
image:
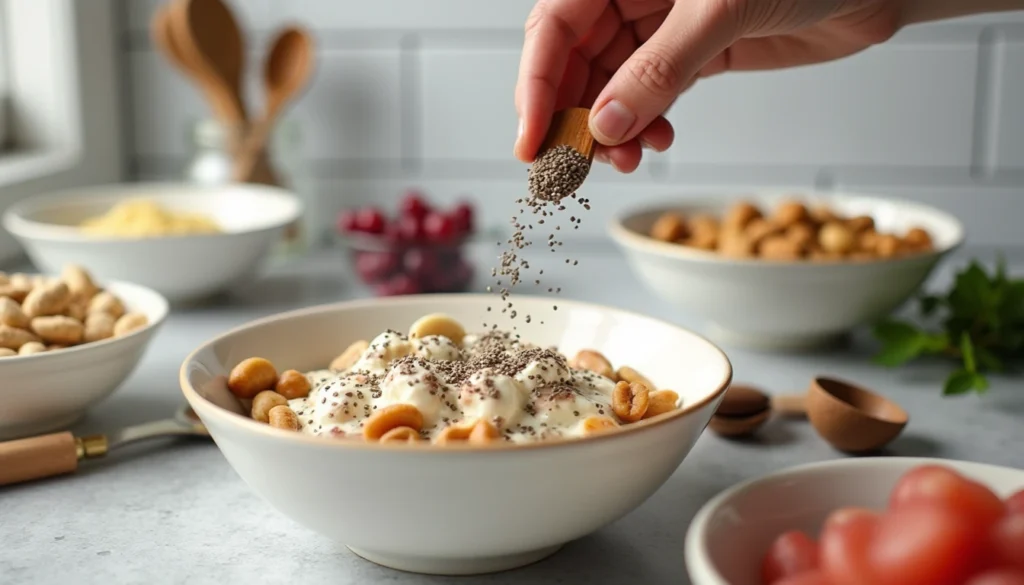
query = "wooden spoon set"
{"x": 202, "y": 39}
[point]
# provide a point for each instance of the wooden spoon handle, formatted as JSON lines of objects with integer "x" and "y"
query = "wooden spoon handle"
{"x": 790, "y": 405}
{"x": 251, "y": 162}
{"x": 38, "y": 457}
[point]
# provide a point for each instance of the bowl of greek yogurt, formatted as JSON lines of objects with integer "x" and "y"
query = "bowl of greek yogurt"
{"x": 532, "y": 433}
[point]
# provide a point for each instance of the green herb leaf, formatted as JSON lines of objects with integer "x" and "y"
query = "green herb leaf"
{"x": 901, "y": 342}
{"x": 972, "y": 292}
{"x": 929, "y": 304}
{"x": 967, "y": 353}
{"x": 962, "y": 382}
{"x": 988, "y": 360}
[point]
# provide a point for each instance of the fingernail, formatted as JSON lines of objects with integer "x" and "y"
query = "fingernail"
{"x": 646, "y": 145}
{"x": 519, "y": 132}
{"x": 614, "y": 120}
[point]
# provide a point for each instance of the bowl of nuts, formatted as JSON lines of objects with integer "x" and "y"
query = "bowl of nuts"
{"x": 469, "y": 449}
{"x": 67, "y": 342}
{"x": 783, "y": 271}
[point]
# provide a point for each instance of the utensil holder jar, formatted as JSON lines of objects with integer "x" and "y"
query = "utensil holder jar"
{"x": 213, "y": 144}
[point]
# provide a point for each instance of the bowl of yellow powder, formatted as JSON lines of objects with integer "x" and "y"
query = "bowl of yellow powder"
{"x": 187, "y": 242}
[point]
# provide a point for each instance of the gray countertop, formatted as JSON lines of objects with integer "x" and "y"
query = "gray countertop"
{"x": 175, "y": 512}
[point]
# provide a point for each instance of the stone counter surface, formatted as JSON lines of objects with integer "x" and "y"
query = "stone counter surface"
{"x": 174, "y": 512}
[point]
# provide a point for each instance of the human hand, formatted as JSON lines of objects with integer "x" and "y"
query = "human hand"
{"x": 628, "y": 60}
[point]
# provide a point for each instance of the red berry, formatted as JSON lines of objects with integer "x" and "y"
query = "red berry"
{"x": 370, "y": 220}
{"x": 414, "y": 205}
{"x": 347, "y": 221}
{"x": 374, "y": 267}
{"x": 463, "y": 216}
{"x": 420, "y": 263}
{"x": 439, "y": 228}
{"x": 399, "y": 284}
{"x": 409, "y": 229}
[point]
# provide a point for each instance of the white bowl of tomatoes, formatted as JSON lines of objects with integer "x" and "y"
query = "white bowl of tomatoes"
{"x": 870, "y": 521}
{"x": 418, "y": 249}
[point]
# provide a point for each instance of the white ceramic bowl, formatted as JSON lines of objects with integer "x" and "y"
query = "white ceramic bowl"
{"x": 729, "y": 536}
{"x": 458, "y": 510}
{"x": 48, "y": 391}
{"x": 182, "y": 268}
{"x": 784, "y": 305}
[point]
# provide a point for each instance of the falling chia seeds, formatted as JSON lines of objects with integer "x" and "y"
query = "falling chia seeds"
{"x": 553, "y": 177}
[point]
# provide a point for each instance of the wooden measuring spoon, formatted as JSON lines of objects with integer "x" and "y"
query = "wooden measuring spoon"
{"x": 850, "y": 418}
{"x": 209, "y": 39}
{"x": 286, "y": 72}
{"x": 59, "y": 453}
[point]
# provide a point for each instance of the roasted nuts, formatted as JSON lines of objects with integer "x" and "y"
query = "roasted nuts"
{"x": 593, "y": 361}
{"x": 282, "y": 417}
{"x": 98, "y": 326}
{"x": 263, "y": 403}
{"x": 252, "y": 376}
{"x": 670, "y": 227}
{"x": 660, "y": 402}
{"x": 11, "y": 314}
{"x": 293, "y": 384}
{"x": 628, "y": 374}
{"x": 128, "y": 323}
{"x": 32, "y": 347}
{"x": 630, "y": 401}
{"x": 350, "y": 356}
{"x": 438, "y": 324}
{"x": 479, "y": 432}
{"x": 105, "y": 302}
{"x": 597, "y": 424}
{"x": 14, "y": 338}
{"x": 49, "y": 299}
{"x": 401, "y": 435}
{"x": 790, "y": 232}
{"x": 58, "y": 329}
{"x": 390, "y": 417}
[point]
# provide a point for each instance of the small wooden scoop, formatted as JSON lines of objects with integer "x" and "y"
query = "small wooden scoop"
{"x": 59, "y": 453}
{"x": 850, "y": 418}
{"x": 570, "y": 127}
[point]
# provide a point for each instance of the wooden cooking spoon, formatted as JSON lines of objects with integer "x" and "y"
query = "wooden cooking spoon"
{"x": 286, "y": 72}
{"x": 209, "y": 39}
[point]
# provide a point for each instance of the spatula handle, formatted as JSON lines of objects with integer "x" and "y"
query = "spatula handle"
{"x": 38, "y": 457}
{"x": 790, "y": 405}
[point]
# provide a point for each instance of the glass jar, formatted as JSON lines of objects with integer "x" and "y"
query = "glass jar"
{"x": 212, "y": 164}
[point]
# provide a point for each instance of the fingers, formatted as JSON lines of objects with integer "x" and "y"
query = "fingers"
{"x": 650, "y": 80}
{"x": 626, "y": 157}
{"x": 552, "y": 30}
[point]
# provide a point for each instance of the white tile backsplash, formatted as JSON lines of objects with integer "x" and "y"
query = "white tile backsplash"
{"x": 419, "y": 92}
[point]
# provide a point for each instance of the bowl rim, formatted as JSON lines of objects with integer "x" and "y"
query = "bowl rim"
{"x": 15, "y": 221}
{"x": 628, "y": 238}
{"x": 696, "y": 546}
{"x": 206, "y": 407}
{"x": 163, "y": 310}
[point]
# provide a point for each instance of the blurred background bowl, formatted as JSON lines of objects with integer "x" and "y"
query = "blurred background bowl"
{"x": 180, "y": 267}
{"x": 51, "y": 390}
{"x": 785, "y": 305}
{"x": 730, "y": 535}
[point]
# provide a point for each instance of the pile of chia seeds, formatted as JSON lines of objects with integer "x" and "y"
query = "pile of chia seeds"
{"x": 553, "y": 177}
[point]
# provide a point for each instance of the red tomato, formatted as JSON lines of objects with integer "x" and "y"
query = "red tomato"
{"x": 1015, "y": 503}
{"x": 998, "y": 577}
{"x": 792, "y": 553}
{"x": 926, "y": 545}
{"x": 844, "y": 547}
{"x": 942, "y": 486}
{"x": 1008, "y": 540}
{"x": 808, "y": 578}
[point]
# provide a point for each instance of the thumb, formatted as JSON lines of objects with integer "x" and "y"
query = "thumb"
{"x": 644, "y": 87}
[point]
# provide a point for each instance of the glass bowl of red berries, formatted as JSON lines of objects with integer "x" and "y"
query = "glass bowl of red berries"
{"x": 421, "y": 249}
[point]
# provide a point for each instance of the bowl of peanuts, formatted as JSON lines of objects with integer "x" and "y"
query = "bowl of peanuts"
{"x": 779, "y": 271}
{"x": 66, "y": 343}
{"x": 414, "y": 406}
